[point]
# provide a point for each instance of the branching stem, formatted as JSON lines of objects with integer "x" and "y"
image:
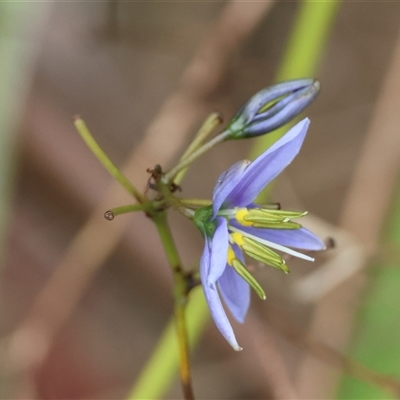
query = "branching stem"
{"x": 170, "y": 175}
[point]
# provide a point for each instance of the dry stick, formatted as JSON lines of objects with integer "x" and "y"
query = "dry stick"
{"x": 363, "y": 215}
{"x": 98, "y": 238}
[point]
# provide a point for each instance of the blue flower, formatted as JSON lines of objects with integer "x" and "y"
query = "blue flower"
{"x": 235, "y": 225}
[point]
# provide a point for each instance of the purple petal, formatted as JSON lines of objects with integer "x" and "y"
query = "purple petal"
{"x": 235, "y": 291}
{"x": 219, "y": 251}
{"x": 214, "y": 302}
{"x": 268, "y": 165}
{"x": 226, "y": 182}
{"x": 297, "y": 238}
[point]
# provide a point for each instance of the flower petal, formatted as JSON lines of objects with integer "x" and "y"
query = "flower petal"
{"x": 297, "y": 238}
{"x": 235, "y": 291}
{"x": 214, "y": 302}
{"x": 226, "y": 182}
{"x": 267, "y": 166}
{"x": 219, "y": 251}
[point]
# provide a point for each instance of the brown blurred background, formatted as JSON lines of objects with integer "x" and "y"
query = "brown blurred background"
{"x": 116, "y": 64}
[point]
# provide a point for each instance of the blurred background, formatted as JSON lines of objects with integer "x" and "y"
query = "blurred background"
{"x": 83, "y": 303}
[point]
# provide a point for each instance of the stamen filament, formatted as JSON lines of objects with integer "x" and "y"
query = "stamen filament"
{"x": 272, "y": 245}
{"x": 227, "y": 213}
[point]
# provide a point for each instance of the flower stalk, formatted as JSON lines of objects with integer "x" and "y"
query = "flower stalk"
{"x": 111, "y": 214}
{"x": 209, "y": 125}
{"x": 184, "y": 163}
{"x": 181, "y": 291}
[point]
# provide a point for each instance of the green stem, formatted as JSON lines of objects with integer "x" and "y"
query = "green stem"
{"x": 103, "y": 158}
{"x": 206, "y": 129}
{"x": 181, "y": 291}
{"x": 110, "y": 214}
{"x": 196, "y": 202}
{"x": 170, "y": 175}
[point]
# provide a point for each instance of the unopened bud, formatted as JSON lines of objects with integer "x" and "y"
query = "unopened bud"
{"x": 273, "y": 107}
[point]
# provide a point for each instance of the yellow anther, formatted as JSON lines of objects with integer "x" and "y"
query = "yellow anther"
{"x": 240, "y": 214}
{"x": 231, "y": 256}
{"x": 237, "y": 238}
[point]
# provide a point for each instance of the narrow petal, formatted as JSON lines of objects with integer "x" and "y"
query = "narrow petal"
{"x": 235, "y": 291}
{"x": 226, "y": 182}
{"x": 268, "y": 165}
{"x": 219, "y": 251}
{"x": 214, "y": 302}
{"x": 297, "y": 238}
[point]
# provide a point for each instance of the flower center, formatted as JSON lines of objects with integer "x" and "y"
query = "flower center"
{"x": 262, "y": 218}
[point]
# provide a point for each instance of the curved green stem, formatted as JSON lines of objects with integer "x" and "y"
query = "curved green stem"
{"x": 103, "y": 158}
{"x": 206, "y": 129}
{"x": 170, "y": 175}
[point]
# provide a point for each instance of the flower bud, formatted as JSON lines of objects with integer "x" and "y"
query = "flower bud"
{"x": 273, "y": 107}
